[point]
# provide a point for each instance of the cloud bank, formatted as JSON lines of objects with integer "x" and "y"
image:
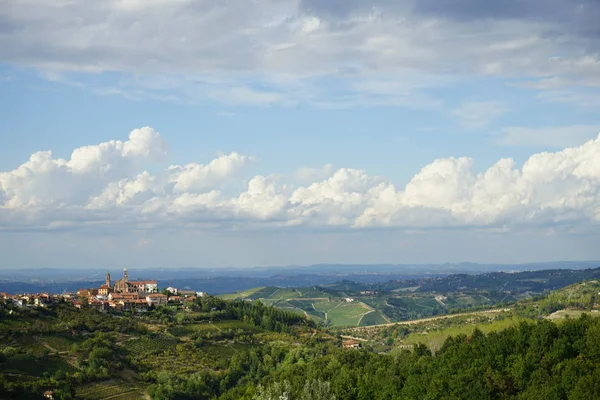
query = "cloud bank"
{"x": 378, "y": 52}
{"x": 107, "y": 186}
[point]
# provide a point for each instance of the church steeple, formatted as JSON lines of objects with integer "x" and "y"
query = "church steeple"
{"x": 125, "y": 275}
{"x": 107, "y": 278}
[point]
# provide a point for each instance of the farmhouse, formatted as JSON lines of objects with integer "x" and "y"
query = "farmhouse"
{"x": 351, "y": 344}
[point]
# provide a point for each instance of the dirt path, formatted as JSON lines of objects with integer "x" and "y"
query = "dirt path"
{"x": 418, "y": 321}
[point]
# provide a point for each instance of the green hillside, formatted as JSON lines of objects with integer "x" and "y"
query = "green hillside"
{"x": 244, "y": 350}
{"x": 321, "y": 304}
{"x": 328, "y": 304}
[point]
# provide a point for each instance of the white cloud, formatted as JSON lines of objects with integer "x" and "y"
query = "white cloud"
{"x": 213, "y": 49}
{"x": 47, "y": 180}
{"x": 105, "y": 186}
{"x": 478, "y": 115}
{"x": 553, "y": 136}
{"x": 194, "y": 177}
{"x": 313, "y": 174}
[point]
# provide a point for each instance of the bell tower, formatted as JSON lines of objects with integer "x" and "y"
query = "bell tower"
{"x": 107, "y": 278}
{"x": 125, "y": 275}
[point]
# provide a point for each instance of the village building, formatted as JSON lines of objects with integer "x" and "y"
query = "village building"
{"x": 145, "y": 286}
{"x": 124, "y": 296}
{"x": 87, "y": 292}
{"x": 172, "y": 290}
{"x": 157, "y": 299}
{"x": 351, "y": 344}
{"x": 105, "y": 289}
{"x": 124, "y": 285}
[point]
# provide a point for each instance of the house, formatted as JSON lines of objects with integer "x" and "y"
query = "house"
{"x": 41, "y": 301}
{"x": 49, "y": 394}
{"x": 87, "y": 292}
{"x": 124, "y": 296}
{"x": 104, "y": 290}
{"x": 157, "y": 299}
{"x": 369, "y": 292}
{"x": 200, "y": 294}
{"x": 172, "y": 290}
{"x": 348, "y": 300}
{"x": 97, "y": 305}
{"x": 187, "y": 293}
{"x": 351, "y": 344}
{"x": 145, "y": 286}
{"x": 141, "y": 305}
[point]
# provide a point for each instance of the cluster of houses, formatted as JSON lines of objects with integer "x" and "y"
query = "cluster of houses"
{"x": 33, "y": 300}
{"x": 123, "y": 295}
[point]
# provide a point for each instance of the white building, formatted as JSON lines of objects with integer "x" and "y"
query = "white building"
{"x": 145, "y": 286}
{"x": 172, "y": 290}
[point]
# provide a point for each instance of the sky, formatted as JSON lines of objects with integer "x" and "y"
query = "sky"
{"x": 204, "y": 133}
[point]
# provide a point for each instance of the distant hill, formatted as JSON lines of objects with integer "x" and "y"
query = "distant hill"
{"x": 348, "y": 303}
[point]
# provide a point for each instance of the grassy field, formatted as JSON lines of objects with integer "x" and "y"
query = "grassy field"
{"x": 435, "y": 338}
{"x": 564, "y": 314}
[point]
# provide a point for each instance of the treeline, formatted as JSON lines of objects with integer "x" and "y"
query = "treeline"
{"x": 531, "y": 361}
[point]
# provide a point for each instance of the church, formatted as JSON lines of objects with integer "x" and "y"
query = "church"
{"x": 124, "y": 285}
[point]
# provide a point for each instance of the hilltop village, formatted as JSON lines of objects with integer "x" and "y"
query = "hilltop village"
{"x": 122, "y": 295}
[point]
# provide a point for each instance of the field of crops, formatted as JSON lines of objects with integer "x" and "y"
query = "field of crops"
{"x": 263, "y": 293}
{"x": 112, "y": 389}
{"x": 346, "y": 314}
{"x": 312, "y": 292}
{"x": 373, "y": 318}
{"x": 146, "y": 345}
{"x": 24, "y": 364}
{"x": 324, "y": 306}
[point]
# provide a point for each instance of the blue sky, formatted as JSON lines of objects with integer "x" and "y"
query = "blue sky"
{"x": 199, "y": 133}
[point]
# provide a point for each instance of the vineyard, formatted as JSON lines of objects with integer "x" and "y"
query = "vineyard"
{"x": 112, "y": 389}
{"x": 149, "y": 345}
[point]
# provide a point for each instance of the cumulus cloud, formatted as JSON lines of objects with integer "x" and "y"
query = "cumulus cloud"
{"x": 47, "y": 180}
{"x": 105, "y": 185}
